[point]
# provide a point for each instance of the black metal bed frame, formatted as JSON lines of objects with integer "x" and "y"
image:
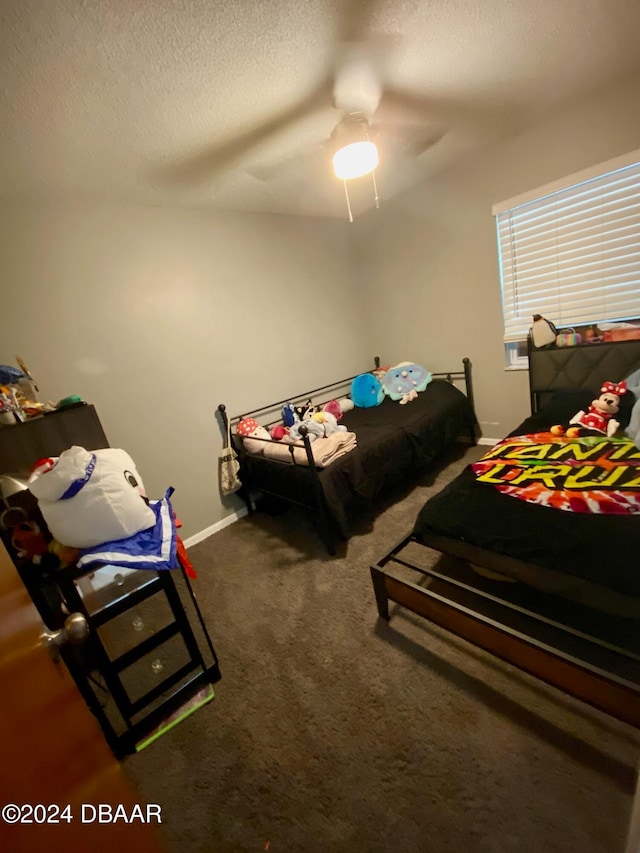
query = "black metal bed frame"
{"x": 580, "y": 674}
{"x": 303, "y": 488}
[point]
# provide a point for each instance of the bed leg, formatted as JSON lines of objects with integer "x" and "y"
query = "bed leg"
{"x": 380, "y": 590}
{"x": 327, "y": 536}
{"x": 243, "y": 493}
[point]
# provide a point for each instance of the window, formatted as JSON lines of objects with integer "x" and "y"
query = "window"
{"x": 571, "y": 251}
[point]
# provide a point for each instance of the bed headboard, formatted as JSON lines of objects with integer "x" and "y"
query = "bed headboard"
{"x": 584, "y": 366}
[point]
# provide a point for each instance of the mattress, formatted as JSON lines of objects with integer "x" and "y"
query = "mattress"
{"x": 589, "y": 558}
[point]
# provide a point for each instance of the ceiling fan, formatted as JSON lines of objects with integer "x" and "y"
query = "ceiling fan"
{"x": 375, "y": 117}
{"x": 372, "y": 118}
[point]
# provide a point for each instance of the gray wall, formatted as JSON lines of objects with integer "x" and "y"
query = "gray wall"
{"x": 156, "y": 316}
{"x": 428, "y": 258}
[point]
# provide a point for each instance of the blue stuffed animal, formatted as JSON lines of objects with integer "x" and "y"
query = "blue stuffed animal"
{"x": 405, "y": 380}
{"x": 366, "y": 391}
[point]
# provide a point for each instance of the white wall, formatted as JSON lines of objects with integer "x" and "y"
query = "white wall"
{"x": 156, "y": 316}
{"x": 429, "y": 259}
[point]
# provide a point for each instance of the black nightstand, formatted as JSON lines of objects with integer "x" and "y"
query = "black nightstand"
{"x": 147, "y": 652}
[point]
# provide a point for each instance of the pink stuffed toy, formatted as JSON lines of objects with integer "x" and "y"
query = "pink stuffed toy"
{"x": 333, "y": 408}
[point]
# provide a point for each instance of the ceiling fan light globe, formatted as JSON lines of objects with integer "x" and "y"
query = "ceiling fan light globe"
{"x": 355, "y": 160}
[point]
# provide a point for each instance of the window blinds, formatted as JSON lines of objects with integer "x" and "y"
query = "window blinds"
{"x": 572, "y": 255}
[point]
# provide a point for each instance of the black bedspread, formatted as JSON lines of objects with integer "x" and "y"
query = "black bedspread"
{"x": 602, "y": 549}
{"x": 393, "y": 442}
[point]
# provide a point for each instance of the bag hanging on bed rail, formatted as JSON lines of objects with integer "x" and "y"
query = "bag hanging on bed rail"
{"x": 228, "y": 467}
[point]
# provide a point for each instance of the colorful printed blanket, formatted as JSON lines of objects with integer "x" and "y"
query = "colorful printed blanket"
{"x": 588, "y": 474}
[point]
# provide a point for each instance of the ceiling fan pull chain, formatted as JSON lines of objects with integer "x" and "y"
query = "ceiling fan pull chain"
{"x": 375, "y": 188}
{"x": 346, "y": 192}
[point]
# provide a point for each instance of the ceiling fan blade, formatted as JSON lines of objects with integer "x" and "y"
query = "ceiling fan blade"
{"x": 212, "y": 159}
{"x": 408, "y": 140}
{"x": 436, "y": 111}
{"x": 355, "y": 17}
{"x": 287, "y": 165}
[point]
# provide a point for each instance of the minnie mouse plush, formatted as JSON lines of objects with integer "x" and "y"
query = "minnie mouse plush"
{"x": 599, "y": 417}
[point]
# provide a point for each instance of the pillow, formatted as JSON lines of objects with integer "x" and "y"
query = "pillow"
{"x": 405, "y": 377}
{"x": 633, "y": 383}
{"x": 633, "y": 430}
{"x": 366, "y": 391}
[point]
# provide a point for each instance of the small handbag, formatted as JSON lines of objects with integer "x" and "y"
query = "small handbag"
{"x": 228, "y": 467}
{"x": 568, "y": 338}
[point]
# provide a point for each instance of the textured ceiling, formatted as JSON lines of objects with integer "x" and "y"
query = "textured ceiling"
{"x": 138, "y": 99}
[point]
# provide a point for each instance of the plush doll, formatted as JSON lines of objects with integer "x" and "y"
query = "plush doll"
{"x": 251, "y": 433}
{"x": 289, "y": 415}
{"x": 313, "y": 430}
{"x": 279, "y": 432}
{"x": 305, "y": 411}
{"x": 366, "y": 391}
{"x": 334, "y": 408}
{"x": 599, "y": 417}
{"x": 337, "y": 408}
{"x": 330, "y": 423}
{"x": 87, "y": 498}
{"x": 401, "y": 380}
{"x": 543, "y": 332}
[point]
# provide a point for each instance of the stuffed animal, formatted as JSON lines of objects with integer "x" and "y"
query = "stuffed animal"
{"x": 599, "y": 417}
{"x": 279, "y": 432}
{"x": 543, "y": 332}
{"x": 253, "y": 435}
{"x": 87, "y": 498}
{"x": 334, "y": 408}
{"x": 337, "y": 408}
{"x": 320, "y": 425}
{"x": 305, "y": 411}
{"x": 366, "y": 391}
{"x": 289, "y": 415}
{"x": 401, "y": 380}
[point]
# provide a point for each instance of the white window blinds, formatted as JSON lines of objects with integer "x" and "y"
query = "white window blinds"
{"x": 573, "y": 254}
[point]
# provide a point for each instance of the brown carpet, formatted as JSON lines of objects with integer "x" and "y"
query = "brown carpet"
{"x": 334, "y": 731}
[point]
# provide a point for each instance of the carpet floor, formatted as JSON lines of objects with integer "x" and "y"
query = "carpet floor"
{"x": 332, "y": 730}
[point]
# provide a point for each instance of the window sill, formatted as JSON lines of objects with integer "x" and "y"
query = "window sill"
{"x": 513, "y": 367}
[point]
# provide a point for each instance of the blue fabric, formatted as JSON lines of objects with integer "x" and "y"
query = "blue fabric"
{"x": 153, "y": 548}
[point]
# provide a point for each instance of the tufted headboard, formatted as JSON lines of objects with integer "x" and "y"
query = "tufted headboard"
{"x": 585, "y": 366}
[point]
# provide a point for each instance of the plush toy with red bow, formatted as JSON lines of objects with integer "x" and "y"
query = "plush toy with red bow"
{"x": 599, "y": 417}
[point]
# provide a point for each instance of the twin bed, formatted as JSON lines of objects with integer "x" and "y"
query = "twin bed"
{"x": 394, "y": 442}
{"x": 554, "y": 592}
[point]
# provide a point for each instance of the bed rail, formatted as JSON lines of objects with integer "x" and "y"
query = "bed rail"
{"x": 579, "y": 672}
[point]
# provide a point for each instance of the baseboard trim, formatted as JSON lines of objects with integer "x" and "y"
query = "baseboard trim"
{"x": 216, "y": 528}
{"x": 490, "y": 441}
